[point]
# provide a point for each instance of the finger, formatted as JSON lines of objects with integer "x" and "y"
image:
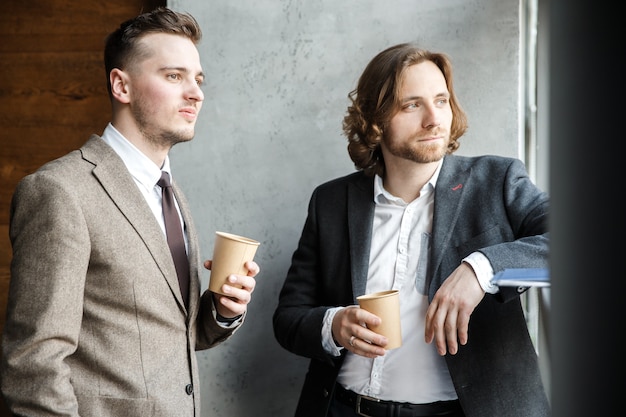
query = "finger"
{"x": 439, "y": 330}
{"x": 253, "y": 268}
{"x": 451, "y": 332}
{"x": 235, "y": 282}
{"x": 245, "y": 282}
{"x": 364, "y": 348}
{"x": 463, "y": 328}
{"x": 234, "y": 306}
{"x": 208, "y": 264}
{"x": 239, "y": 295}
{"x": 360, "y": 330}
{"x": 371, "y": 337}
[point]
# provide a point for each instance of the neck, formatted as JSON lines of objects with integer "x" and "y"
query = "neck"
{"x": 406, "y": 180}
{"x": 148, "y": 147}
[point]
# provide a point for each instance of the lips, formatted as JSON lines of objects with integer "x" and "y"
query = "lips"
{"x": 188, "y": 112}
{"x": 430, "y": 139}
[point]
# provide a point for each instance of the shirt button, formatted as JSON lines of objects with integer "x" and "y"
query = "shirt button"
{"x": 189, "y": 389}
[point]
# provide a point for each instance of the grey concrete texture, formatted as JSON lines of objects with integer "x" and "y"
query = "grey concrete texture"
{"x": 277, "y": 77}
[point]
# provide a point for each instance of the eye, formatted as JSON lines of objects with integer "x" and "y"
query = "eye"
{"x": 200, "y": 82}
{"x": 173, "y": 76}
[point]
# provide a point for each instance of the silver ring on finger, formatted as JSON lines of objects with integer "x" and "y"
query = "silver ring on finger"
{"x": 351, "y": 342}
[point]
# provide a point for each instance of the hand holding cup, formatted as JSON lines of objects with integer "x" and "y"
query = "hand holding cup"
{"x": 230, "y": 254}
{"x": 385, "y": 305}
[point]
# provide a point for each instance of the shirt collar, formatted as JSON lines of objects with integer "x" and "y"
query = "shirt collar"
{"x": 138, "y": 164}
{"x": 383, "y": 196}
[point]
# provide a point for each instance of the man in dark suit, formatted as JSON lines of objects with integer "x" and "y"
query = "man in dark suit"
{"x": 99, "y": 322}
{"x": 434, "y": 226}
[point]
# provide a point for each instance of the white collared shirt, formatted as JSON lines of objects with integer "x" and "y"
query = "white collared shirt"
{"x": 414, "y": 372}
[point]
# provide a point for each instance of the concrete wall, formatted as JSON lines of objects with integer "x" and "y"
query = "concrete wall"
{"x": 278, "y": 74}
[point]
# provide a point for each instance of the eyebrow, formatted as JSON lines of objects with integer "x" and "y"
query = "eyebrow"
{"x": 413, "y": 98}
{"x": 181, "y": 69}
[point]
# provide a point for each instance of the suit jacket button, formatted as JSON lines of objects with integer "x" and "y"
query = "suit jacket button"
{"x": 189, "y": 389}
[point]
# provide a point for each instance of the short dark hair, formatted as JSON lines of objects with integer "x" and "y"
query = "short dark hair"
{"x": 376, "y": 99}
{"x": 122, "y": 46}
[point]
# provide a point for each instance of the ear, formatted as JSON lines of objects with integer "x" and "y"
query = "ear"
{"x": 119, "y": 85}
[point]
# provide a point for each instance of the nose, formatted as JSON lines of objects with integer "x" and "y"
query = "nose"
{"x": 194, "y": 92}
{"x": 430, "y": 117}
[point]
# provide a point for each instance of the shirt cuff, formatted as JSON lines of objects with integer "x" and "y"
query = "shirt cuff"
{"x": 327, "y": 333}
{"x": 225, "y": 322}
{"x": 483, "y": 270}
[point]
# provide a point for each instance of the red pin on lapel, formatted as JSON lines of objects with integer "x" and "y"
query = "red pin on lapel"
{"x": 457, "y": 187}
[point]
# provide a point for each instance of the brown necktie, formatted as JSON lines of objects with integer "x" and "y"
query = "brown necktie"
{"x": 175, "y": 238}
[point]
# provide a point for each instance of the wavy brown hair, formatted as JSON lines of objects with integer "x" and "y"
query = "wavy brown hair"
{"x": 123, "y": 49}
{"x": 376, "y": 100}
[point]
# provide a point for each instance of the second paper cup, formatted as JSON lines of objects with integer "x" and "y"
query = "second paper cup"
{"x": 386, "y": 305}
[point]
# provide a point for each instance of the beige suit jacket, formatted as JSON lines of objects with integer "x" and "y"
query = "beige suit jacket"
{"x": 95, "y": 321}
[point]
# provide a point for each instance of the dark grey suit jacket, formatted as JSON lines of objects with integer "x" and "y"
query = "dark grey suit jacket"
{"x": 485, "y": 204}
{"x": 96, "y": 325}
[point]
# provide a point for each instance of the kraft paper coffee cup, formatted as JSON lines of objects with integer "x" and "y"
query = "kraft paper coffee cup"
{"x": 230, "y": 254}
{"x": 386, "y": 305}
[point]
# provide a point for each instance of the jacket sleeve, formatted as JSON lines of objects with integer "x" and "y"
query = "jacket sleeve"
{"x": 527, "y": 213}
{"x": 50, "y": 257}
{"x": 299, "y": 316}
{"x": 210, "y": 333}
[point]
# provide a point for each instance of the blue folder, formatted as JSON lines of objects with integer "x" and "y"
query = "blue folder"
{"x": 522, "y": 277}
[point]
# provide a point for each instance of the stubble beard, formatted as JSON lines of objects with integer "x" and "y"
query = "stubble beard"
{"x": 419, "y": 152}
{"x": 159, "y": 136}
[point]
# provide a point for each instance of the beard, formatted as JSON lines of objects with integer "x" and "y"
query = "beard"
{"x": 416, "y": 151}
{"x": 158, "y": 135}
{"x": 169, "y": 138}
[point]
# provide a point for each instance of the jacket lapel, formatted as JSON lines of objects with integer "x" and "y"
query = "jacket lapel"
{"x": 449, "y": 191}
{"x": 360, "y": 217}
{"x": 114, "y": 177}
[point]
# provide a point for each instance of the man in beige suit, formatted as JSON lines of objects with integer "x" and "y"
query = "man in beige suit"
{"x": 97, "y": 324}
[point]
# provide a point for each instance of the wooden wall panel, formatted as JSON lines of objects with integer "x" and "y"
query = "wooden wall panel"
{"x": 52, "y": 90}
{"x": 42, "y": 99}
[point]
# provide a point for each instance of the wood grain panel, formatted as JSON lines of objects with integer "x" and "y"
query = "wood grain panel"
{"x": 5, "y": 253}
{"x": 52, "y": 90}
{"x": 60, "y": 89}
